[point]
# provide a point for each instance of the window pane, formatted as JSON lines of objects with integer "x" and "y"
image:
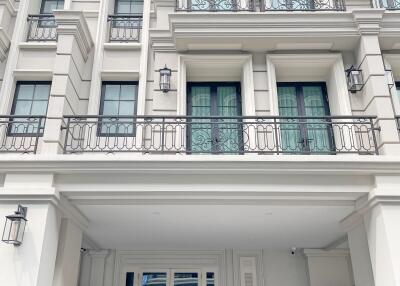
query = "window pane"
{"x": 127, "y": 108}
{"x": 39, "y": 108}
{"x": 210, "y": 279}
{"x": 42, "y": 91}
{"x": 23, "y": 107}
{"x": 128, "y": 92}
{"x": 25, "y": 91}
{"x": 154, "y": 279}
{"x": 186, "y": 279}
{"x": 110, "y": 108}
{"x": 48, "y": 7}
{"x": 130, "y": 279}
{"x": 112, "y": 92}
{"x": 123, "y": 7}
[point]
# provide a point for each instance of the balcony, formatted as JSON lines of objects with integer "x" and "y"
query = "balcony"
{"x": 389, "y": 4}
{"x": 264, "y": 5}
{"x": 125, "y": 28}
{"x": 20, "y": 134}
{"x": 221, "y": 135}
{"x": 42, "y": 28}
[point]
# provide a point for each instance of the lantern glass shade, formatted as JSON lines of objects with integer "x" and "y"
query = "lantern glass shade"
{"x": 355, "y": 80}
{"x": 14, "y": 227}
{"x": 165, "y": 79}
{"x": 389, "y": 77}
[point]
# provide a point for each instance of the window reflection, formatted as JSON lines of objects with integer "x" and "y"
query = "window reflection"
{"x": 186, "y": 279}
{"x": 154, "y": 279}
{"x": 210, "y": 279}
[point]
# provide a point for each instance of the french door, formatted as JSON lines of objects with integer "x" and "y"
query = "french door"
{"x": 214, "y": 135}
{"x": 305, "y": 128}
{"x": 171, "y": 277}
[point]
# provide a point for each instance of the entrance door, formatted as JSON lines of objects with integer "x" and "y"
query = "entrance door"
{"x": 304, "y": 135}
{"x": 210, "y": 134}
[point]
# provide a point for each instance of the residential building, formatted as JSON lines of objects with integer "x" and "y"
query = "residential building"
{"x": 200, "y": 143}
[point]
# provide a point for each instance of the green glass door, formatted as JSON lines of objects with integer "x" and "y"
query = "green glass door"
{"x": 305, "y": 128}
{"x": 212, "y": 134}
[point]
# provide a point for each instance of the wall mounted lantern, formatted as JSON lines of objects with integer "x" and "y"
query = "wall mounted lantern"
{"x": 390, "y": 78}
{"x": 355, "y": 81}
{"x": 165, "y": 79}
{"x": 14, "y": 228}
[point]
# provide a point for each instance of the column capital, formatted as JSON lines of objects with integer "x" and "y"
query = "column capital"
{"x": 73, "y": 23}
{"x": 368, "y": 20}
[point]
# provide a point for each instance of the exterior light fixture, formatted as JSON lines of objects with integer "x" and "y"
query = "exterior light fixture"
{"x": 165, "y": 79}
{"x": 390, "y": 78}
{"x": 355, "y": 80}
{"x": 14, "y": 228}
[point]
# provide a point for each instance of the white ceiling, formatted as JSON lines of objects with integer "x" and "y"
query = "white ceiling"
{"x": 214, "y": 226}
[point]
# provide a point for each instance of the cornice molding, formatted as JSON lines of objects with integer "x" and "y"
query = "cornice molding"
{"x": 9, "y": 6}
{"x": 71, "y": 22}
{"x": 326, "y": 253}
{"x": 4, "y": 44}
{"x": 202, "y": 164}
{"x": 368, "y": 21}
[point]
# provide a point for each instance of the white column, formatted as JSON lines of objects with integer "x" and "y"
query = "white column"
{"x": 33, "y": 262}
{"x": 382, "y": 224}
{"x": 360, "y": 258}
{"x": 98, "y": 267}
{"x": 68, "y": 256}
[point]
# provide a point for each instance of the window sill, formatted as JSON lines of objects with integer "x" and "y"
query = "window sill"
{"x": 123, "y": 46}
{"x": 50, "y": 45}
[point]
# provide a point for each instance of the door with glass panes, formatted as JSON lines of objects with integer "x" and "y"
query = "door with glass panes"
{"x": 219, "y": 130}
{"x": 305, "y": 126}
{"x": 171, "y": 277}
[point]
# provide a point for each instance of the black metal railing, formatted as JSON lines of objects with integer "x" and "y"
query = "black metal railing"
{"x": 214, "y": 5}
{"x": 303, "y": 5}
{"x": 20, "y": 133}
{"x": 389, "y": 4}
{"x": 125, "y": 28}
{"x": 42, "y": 28}
{"x": 398, "y": 122}
{"x": 221, "y": 135}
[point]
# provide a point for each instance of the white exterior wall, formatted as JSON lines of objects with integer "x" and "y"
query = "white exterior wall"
{"x": 257, "y": 49}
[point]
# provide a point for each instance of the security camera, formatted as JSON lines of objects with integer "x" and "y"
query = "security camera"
{"x": 293, "y": 250}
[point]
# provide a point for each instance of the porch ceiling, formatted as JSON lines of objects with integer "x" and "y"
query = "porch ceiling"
{"x": 248, "y": 226}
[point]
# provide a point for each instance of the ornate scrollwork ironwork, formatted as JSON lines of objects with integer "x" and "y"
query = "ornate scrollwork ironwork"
{"x": 214, "y": 5}
{"x": 42, "y": 28}
{"x": 303, "y": 5}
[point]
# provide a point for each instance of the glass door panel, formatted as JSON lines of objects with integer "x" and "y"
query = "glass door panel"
{"x": 154, "y": 279}
{"x": 186, "y": 279}
{"x": 214, "y": 135}
{"x": 318, "y": 130}
{"x": 290, "y": 129}
{"x": 303, "y": 135}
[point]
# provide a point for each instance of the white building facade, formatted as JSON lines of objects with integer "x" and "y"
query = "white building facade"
{"x": 200, "y": 142}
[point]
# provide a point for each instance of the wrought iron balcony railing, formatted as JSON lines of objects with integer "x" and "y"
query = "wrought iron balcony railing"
{"x": 303, "y": 5}
{"x": 42, "y": 28}
{"x": 20, "y": 134}
{"x": 389, "y": 4}
{"x": 125, "y": 28}
{"x": 221, "y": 135}
{"x": 215, "y": 5}
{"x": 398, "y": 123}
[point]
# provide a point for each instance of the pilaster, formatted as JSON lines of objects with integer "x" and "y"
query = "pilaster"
{"x": 98, "y": 267}
{"x": 73, "y": 47}
{"x": 376, "y": 98}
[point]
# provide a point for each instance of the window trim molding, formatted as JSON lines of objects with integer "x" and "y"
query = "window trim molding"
{"x": 101, "y": 106}
{"x": 14, "y": 105}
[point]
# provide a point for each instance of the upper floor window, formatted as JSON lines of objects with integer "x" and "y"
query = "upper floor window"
{"x": 48, "y": 6}
{"x": 30, "y": 100}
{"x": 118, "y": 100}
{"x": 133, "y": 7}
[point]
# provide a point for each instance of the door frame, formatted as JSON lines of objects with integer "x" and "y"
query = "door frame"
{"x": 213, "y": 105}
{"x": 301, "y": 111}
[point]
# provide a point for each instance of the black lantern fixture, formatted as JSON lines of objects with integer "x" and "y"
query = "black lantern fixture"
{"x": 165, "y": 79}
{"x": 355, "y": 80}
{"x": 390, "y": 78}
{"x": 14, "y": 228}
